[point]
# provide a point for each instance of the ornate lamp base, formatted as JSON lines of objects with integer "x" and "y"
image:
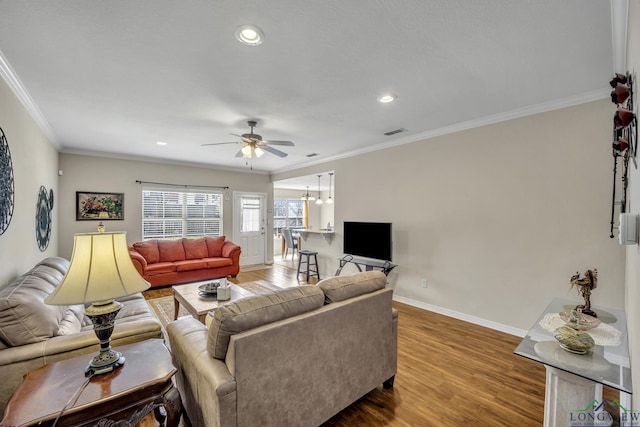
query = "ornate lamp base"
{"x": 104, "y": 363}
{"x": 103, "y": 315}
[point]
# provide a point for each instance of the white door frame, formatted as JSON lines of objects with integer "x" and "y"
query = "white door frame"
{"x": 237, "y": 237}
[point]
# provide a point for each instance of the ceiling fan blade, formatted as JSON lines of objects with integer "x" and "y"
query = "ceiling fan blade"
{"x": 220, "y": 143}
{"x": 274, "y": 151}
{"x": 235, "y": 134}
{"x": 284, "y": 143}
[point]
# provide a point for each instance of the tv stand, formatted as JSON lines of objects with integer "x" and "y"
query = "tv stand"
{"x": 369, "y": 264}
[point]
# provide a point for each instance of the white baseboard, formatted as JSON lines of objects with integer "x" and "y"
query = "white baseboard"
{"x": 462, "y": 316}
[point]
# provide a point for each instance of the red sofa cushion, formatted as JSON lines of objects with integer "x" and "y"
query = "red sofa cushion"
{"x": 160, "y": 268}
{"x": 214, "y": 245}
{"x": 149, "y": 250}
{"x": 171, "y": 250}
{"x": 218, "y": 262}
{"x": 195, "y": 248}
{"x": 190, "y": 264}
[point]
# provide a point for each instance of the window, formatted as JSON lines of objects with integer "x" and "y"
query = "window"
{"x": 250, "y": 214}
{"x": 176, "y": 214}
{"x": 287, "y": 213}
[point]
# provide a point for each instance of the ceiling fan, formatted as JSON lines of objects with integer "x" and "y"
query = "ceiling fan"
{"x": 254, "y": 145}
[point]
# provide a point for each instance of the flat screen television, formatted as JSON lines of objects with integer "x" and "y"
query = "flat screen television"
{"x": 368, "y": 239}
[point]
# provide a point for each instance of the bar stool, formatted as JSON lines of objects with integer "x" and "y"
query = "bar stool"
{"x": 311, "y": 267}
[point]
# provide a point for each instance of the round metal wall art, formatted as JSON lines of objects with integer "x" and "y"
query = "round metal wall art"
{"x": 43, "y": 218}
{"x": 6, "y": 184}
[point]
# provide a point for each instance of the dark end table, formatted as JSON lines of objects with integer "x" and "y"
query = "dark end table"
{"x": 143, "y": 384}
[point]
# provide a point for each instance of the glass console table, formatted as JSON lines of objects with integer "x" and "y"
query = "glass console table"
{"x": 574, "y": 381}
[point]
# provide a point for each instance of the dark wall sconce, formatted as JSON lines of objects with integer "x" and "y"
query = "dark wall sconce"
{"x": 620, "y": 93}
{"x": 618, "y": 78}
{"x": 623, "y": 118}
{"x": 625, "y": 138}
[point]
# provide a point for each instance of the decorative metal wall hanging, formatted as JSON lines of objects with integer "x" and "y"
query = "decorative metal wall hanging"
{"x": 6, "y": 184}
{"x": 43, "y": 217}
{"x": 625, "y": 138}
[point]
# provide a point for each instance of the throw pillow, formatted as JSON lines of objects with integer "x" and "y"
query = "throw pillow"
{"x": 149, "y": 250}
{"x": 214, "y": 246}
{"x": 24, "y": 316}
{"x": 251, "y": 312}
{"x": 71, "y": 322}
{"x": 340, "y": 288}
{"x": 195, "y": 248}
{"x": 171, "y": 250}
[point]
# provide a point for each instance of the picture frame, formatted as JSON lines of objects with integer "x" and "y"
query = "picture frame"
{"x": 99, "y": 206}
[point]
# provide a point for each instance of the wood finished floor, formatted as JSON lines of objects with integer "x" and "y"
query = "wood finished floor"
{"x": 450, "y": 373}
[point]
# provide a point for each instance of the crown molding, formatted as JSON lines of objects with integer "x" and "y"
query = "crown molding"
{"x": 619, "y": 31}
{"x": 470, "y": 124}
{"x": 136, "y": 158}
{"x": 23, "y": 96}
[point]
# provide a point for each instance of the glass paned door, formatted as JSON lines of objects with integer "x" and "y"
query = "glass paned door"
{"x": 249, "y": 226}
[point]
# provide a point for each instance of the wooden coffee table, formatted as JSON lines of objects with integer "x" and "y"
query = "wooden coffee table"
{"x": 143, "y": 384}
{"x": 199, "y": 305}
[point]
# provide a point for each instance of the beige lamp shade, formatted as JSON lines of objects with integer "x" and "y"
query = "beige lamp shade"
{"x": 100, "y": 270}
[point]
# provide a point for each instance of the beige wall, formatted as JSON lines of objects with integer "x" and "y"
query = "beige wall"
{"x": 633, "y": 252}
{"x": 496, "y": 218}
{"x": 35, "y": 163}
{"x": 85, "y": 173}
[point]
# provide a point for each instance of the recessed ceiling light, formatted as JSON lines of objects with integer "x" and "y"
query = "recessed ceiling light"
{"x": 386, "y": 98}
{"x": 249, "y": 35}
{"x": 162, "y": 143}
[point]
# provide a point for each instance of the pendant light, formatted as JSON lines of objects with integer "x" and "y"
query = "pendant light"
{"x": 329, "y": 199}
{"x": 307, "y": 196}
{"x": 319, "y": 200}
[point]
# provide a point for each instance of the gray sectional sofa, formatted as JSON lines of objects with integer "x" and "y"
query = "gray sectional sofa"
{"x": 33, "y": 333}
{"x": 292, "y": 358}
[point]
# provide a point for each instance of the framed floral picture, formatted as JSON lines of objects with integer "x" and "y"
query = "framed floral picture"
{"x": 92, "y": 206}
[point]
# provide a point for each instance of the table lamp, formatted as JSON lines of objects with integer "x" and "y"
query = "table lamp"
{"x": 100, "y": 271}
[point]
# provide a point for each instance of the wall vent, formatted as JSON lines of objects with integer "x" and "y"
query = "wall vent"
{"x": 393, "y": 132}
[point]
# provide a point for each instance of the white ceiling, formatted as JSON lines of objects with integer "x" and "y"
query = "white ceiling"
{"x": 113, "y": 77}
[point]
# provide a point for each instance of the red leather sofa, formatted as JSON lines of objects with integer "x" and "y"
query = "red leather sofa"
{"x": 167, "y": 262}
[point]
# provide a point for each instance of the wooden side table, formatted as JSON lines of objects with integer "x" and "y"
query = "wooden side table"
{"x": 142, "y": 385}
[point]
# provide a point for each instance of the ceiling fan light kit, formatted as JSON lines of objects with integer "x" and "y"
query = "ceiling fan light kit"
{"x": 307, "y": 197}
{"x": 254, "y": 145}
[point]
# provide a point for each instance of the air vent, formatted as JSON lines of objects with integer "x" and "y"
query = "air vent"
{"x": 312, "y": 155}
{"x": 393, "y": 132}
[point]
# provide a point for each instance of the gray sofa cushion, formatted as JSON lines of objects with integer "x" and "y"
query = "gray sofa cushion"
{"x": 340, "y": 288}
{"x": 72, "y": 320}
{"x": 24, "y": 316}
{"x": 251, "y": 312}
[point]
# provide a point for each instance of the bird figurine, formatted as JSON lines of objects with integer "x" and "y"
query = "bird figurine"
{"x": 585, "y": 285}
